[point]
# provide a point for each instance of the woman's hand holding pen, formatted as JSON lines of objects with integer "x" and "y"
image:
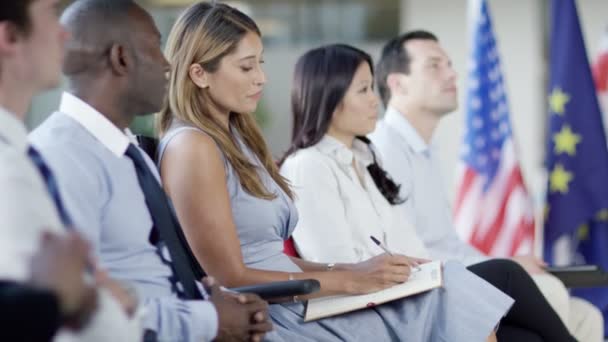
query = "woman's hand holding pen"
{"x": 378, "y": 273}
{"x": 414, "y": 262}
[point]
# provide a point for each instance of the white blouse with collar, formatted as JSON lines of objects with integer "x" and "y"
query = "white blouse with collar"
{"x": 337, "y": 212}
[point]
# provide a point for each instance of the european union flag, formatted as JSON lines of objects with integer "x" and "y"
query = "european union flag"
{"x": 577, "y": 156}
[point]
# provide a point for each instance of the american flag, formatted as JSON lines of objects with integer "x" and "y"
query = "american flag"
{"x": 492, "y": 209}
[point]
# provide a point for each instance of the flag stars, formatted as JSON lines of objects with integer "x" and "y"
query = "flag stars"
{"x": 473, "y": 83}
{"x": 493, "y": 54}
{"x": 465, "y": 150}
{"x": 489, "y": 38}
{"x": 493, "y": 75}
{"x": 496, "y": 154}
{"x": 504, "y": 127}
{"x": 558, "y": 100}
{"x": 602, "y": 215}
{"x": 475, "y": 103}
{"x": 582, "y": 232}
{"x": 472, "y": 65}
{"x": 494, "y": 95}
{"x": 477, "y": 122}
{"x": 497, "y": 93}
{"x": 560, "y": 179}
{"x": 502, "y": 107}
{"x": 483, "y": 19}
{"x": 565, "y": 141}
{"x": 487, "y": 123}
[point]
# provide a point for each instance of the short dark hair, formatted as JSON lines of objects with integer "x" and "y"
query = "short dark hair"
{"x": 98, "y": 21}
{"x": 394, "y": 58}
{"x": 322, "y": 77}
{"x": 17, "y": 12}
{"x": 94, "y": 26}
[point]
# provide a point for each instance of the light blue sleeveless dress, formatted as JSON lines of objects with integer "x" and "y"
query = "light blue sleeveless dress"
{"x": 466, "y": 309}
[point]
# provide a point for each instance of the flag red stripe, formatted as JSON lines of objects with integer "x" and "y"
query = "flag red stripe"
{"x": 600, "y": 72}
{"x": 485, "y": 242}
{"x": 467, "y": 181}
{"x": 524, "y": 231}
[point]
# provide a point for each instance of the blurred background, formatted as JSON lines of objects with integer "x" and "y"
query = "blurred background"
{"x": 290, "y": 27}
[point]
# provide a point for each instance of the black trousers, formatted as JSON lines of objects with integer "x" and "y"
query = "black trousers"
{"x": 531, "y": 317}
{"x": 27, "y": 313}
{"x": 516, "y": 334}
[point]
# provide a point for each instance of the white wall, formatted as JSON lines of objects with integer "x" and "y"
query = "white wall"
{"x": 594, "y": 20}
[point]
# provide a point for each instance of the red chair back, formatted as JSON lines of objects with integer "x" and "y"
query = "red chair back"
{"x": 289, "y": 248}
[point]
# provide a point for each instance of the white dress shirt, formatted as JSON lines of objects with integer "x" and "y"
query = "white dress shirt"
{"x": 26, "y": 210}
{"x": 101, "y": 191}
{"x": 337, "y": 212}
{"x": 410, "y": 161}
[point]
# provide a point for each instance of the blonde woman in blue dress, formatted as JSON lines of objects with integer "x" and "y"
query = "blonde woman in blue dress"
{"x": 236, "y": 210}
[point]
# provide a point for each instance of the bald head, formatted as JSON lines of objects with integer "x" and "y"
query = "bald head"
{"x": 94, "y": 25}
{"x": 113, "y": 60}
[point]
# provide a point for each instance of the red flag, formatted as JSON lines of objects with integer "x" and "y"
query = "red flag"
{"x": 600, "y": 76}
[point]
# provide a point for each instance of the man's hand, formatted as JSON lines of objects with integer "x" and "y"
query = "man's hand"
{"x": 260, "y": 319}
{"x": 530, "y": 263}
{"x": 59, "y": 266}
{"x": 242, "y": 317}
{"x": 122, "y": 292}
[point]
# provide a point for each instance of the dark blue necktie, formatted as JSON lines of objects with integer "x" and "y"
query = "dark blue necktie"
{"x": 51, "y": 184}
{"x": 167, "y": 227}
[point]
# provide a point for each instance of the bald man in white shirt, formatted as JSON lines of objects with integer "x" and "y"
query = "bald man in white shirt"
{"x": 417, "y": 84}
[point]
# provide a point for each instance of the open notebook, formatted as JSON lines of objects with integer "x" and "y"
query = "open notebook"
{"x": 427, "y": 278}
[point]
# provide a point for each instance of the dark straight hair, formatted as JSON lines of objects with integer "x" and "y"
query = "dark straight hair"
{"x": 322, "y": 77}
{"x": 17, "y": 12}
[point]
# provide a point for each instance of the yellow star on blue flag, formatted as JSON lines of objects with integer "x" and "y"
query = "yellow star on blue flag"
{"x": 558, "y": 100}
{"x": 559, "y": 179}
{"x": 565, "y": 141}
{"x": 576, "y": 155}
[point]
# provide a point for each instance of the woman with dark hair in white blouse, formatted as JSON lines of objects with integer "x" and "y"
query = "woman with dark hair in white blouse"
{"x": 343, "y": 197}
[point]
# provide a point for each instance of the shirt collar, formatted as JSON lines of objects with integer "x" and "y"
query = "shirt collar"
{"x": 12, "y": 130}
{"x": 342, "y": 154}
{"x": 97, "y": 124}
{"x": 397, "y": 121}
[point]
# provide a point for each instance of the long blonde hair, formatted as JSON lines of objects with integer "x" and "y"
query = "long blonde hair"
{"x": 204, "y": 34}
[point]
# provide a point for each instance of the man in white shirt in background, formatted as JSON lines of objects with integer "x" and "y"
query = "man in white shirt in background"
{"x": 31, "y": 54}
{"x": 418, "y": 87}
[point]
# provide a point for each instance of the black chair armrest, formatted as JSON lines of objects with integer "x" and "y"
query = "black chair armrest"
{"x": 580, "y": 276}
{"x": 281, "y": 289}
